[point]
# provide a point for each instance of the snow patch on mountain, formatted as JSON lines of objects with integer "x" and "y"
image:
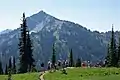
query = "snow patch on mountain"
{"x": 39, "y": 27}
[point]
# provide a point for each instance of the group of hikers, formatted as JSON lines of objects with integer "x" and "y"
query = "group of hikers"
{"x": 61, "y": 64}
{"x": 58, "y": 65}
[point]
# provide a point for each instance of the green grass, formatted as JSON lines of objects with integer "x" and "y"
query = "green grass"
{"x": 26, "y": 76}
{"x": 86, "y": 74}
{"x": 73, "y": 74}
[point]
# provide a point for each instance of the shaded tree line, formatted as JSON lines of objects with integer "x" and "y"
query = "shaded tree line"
{"x": 11, "y": 67}
{"x": 71, "y": 62}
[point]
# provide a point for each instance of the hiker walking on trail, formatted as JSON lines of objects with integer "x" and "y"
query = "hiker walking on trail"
{"x": 49, "y": 65}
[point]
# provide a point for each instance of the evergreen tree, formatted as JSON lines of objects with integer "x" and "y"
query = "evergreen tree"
{"x": 53, "y": 56}
{"x": 78, "y": 63}
{"x": 1, "y": 69}
{"x": 30, "y": 55}
{"x": 112, "y": 56}
{"x": 10, "y": 64}
{"x": 25, "y": 49}
{"x": 119, "y": 53}
{"x": 113, "y": 52}
{"x": 6, "y": 70}
{"x": 71, "y": 62}
{"x": 14, "y": 66}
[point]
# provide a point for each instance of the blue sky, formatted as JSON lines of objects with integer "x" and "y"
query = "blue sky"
{"x": 92, "y": 14}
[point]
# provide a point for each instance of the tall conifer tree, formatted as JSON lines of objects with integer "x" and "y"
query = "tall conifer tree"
{"x": 25, "y": 48}
{"x": 119, "y": 54}
{"x": 14, "y": 65}
{"x": 1, "y": 69}
{"x": 30, "y": 55}
{"x": 53, "y": 56}
{"x": 112, "y": 54}
{"x": 71, "y": 62}
{"x": 78, "y": 62}
{"x": 6, "y": 70}
{"x": 10, "y": 64}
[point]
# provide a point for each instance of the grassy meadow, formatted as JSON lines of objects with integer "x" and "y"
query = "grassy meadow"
{"x": 72, "y": 74}
{"x": 86, "y": 74}
{"x": 26, "y": 76}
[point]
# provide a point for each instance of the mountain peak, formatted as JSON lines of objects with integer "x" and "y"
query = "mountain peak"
{"x": 38, "y": 18}
{"x": 42, "y": 12}
{"x": 39, "y": 14}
